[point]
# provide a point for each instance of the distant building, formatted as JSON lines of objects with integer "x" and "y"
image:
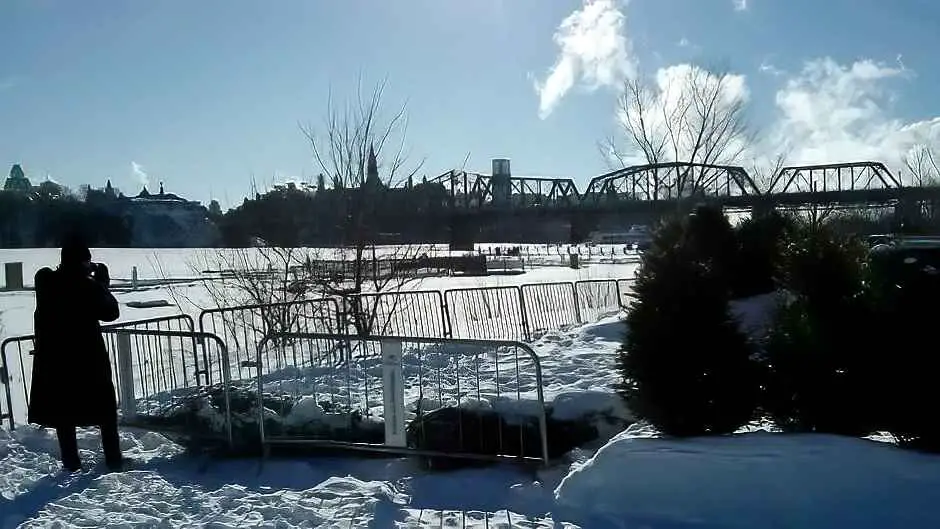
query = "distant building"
{"x": 167, "y": 220}
{"x": 17, "y": 181}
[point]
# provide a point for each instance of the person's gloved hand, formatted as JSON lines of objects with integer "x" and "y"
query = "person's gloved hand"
{"x": 102, "y": 276}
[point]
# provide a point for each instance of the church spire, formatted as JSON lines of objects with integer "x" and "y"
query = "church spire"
{"x": 372, "y": 169}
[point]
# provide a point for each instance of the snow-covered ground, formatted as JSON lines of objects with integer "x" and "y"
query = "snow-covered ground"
{"x": 748, "y": 480}
{"x": 634, "y": 480}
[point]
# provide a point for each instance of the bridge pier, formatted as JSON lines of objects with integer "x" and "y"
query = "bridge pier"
{"x": 464, "y": 231}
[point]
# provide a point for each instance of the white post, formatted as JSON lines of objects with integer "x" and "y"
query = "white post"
{"x": 134, "y": 278}
{"x": 393, "y": 393}
{"x": 125, "y": 369}
{"x": 14, "y": 276}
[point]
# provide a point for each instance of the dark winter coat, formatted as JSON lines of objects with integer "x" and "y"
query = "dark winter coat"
{"x": 71, "y": 382}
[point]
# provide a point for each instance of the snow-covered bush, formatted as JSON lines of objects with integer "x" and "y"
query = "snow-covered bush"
{"x": 819, "y": 360}
{"x": 198, "y": 418}
{"x": 686, "y": 366}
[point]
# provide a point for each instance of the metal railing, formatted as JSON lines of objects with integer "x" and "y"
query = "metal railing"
{"x": 25, "y": 345}
{"x": 625, "y": 287}
{"x": 436, "y": 397}
{"x": 549, "y": 306}
{"x": 597, "y": 298}
{"x": 154, "y": 389}
{"x": 242, "y": 327}
{"x": 407, "y": 313}
{"x": 491, "y": 313}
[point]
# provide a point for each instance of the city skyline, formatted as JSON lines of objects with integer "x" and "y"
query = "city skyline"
{"x": 207, "y": 96}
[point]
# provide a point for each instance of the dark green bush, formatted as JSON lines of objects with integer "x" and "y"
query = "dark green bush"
{"x": 686, "y": 367}
{"x": 761, "y": 243}
{"x": 905, "y": 296}
{"x": 819, "y": 358}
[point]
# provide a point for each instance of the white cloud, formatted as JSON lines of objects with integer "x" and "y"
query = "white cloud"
{"x": 770, "y": 69}
{"x": 740, "y": 5}
{"x": 826, "y": 112}
{"x": 141, "y": 175}
{"x": 831, "y": 112}
{"x": 683, "y": 43}
{"x": 593, "y": 51}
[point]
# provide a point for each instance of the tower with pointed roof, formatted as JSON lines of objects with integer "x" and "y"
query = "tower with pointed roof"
{"x": 372, "y": 170}
{"x": 17, "y": 180}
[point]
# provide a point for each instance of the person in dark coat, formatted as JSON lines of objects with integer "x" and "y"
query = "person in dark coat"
{"x": 71, "y": 382}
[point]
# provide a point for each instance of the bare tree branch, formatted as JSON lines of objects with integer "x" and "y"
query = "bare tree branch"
{"x": 921, "y": 163}
{"x": 697, "y": 118}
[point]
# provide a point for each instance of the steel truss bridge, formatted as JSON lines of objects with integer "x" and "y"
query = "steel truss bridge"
{"x": 650, "y": 191}
{"x": 848, "y": 184}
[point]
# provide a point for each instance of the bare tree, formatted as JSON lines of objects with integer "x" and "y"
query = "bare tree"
{"x": 347, "y": 148}
{"x": 693, "y": 116}
{"x": 361, "y": 274}
{"x": 765, "y": 171}
{"x": 921, "y": 163}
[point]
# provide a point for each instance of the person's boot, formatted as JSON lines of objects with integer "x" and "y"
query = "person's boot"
{"x": 72, "y": 465}
{"x": 68, "y": 448}
{"x": 114, "y": 465}
{"x": 111, "y": 443}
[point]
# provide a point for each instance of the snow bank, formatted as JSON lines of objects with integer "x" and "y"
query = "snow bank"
{"x": 753, "y": 480}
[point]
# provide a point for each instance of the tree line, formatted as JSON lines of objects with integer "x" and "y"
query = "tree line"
{"x": 44, "y": 216}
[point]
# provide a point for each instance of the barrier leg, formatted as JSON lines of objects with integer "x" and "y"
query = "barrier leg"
{"x": 126, "y": 377}
{"x": 393, "y": 393}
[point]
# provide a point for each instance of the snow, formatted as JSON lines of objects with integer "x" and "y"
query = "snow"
{"x": 750, "y": 480}
{"x": 636, "y": 479}
{"x": 168, "y": 488}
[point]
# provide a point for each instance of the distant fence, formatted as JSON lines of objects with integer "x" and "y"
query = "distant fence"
{"x": 411, "y": 313}
{"x": 492, "y": 313}
{"x": 487, "y": 313}
{"x": 549, "y": 306}
{"x": 242, "y": 327}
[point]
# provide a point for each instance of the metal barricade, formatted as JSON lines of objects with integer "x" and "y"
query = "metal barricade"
{"x": 8, "y": 376}
{"x": 491, "y": 313}
{"x": 437, "y": 397}
{"x": 597, "y": 298}
{"x": 181, "y": 324}
{"x": 549, "y": 306}
{"x": 156, "y": 391}
{"x": 409, "y": 313}
{"x": 625, "y": 286}
{"x": 21, "y": 374}
{"x": 242, "y": 327}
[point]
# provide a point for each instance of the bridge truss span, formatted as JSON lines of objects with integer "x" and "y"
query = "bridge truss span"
{"x": 669, "y": 181}
{"x": 839, "y": 177}
{"x": 468, "y": 190}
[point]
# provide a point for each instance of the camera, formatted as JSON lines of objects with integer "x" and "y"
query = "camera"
{"x": 99, "y": 272}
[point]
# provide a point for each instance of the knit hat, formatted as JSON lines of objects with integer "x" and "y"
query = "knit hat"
{"x": 75, "y": 250}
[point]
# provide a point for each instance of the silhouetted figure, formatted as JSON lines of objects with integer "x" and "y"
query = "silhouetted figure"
{"x": 71, "y": 384}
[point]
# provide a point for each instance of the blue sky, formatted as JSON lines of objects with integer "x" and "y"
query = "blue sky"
{"x": 203, "y": 95}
